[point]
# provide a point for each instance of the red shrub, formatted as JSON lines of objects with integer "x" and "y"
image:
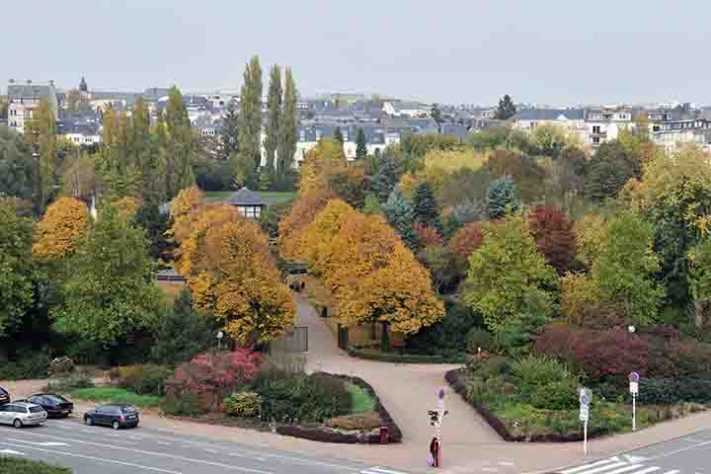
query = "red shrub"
{"x": 554, "y": 236}
{"x": 212, "y": 376}
{"x": 598, "y": 352}
{"x": 467, "y": 240}
{"x": 427, "y": 236}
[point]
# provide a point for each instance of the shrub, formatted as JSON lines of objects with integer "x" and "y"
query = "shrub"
{"x": 214, "y": 375}
{"x": 356, "y": 421}
{"x": 182, "y": 403}
{"x": 11, "y": 465}
{"x": 544, "y": 383}
{"x": 447, "y": 337}
{"x": 671, "y": 391}
{"x": 478, "y": 338}
{"x": 70, "y": 382}
{"x": 29, "y": 365}
{"x": 361, "y": 401}
{"x": 243, "y": 404}
{"x": 61, "y": 365}
{"x": 147, "y": 379}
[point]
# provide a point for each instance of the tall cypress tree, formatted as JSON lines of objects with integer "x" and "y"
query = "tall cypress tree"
{"x": 288, "y": 128}
{"x": 228, "y": 131}
{"x": 274, "y": 98}
{"x": 361, "y": 145}
{"x": 180, "y": 143}
{"x": 250, "y": 114}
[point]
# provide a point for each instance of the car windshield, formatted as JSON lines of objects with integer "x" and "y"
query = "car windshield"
{"x": 36, "y": 409}
{"x": 55, "y": 399}
{"x": 128, "y": 410}
{"x": 3, "y": 391}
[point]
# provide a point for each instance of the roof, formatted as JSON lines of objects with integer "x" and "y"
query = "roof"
{"x": 245, "y": 197}
{"x": 28, "y": 91}
{"x": 24, "y": 404}
{"x": 549, "y": 114}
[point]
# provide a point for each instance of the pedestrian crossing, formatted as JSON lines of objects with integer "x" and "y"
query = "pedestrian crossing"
{"x": 619, "y": 465}
{"x": 380, "y": 470}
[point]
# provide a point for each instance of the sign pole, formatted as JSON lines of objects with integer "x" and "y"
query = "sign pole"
{"x": 634, "y": 412}
{"x": 585, "y": 437}
{"x": 585, "y": 395}
{"x": 634, "y": 391}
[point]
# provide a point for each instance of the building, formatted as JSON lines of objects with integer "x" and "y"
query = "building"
{"x": 80, "y": 128}
{"x": 23, "y": 99}
{"x": 675, "y": 134}
{"x": 247, "y": 202}
{"x": 603, "y": 124}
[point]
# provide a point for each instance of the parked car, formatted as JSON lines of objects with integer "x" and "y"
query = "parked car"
{"x": 22, "y": 414}
{"x": 54, "y": 405}
{"x": 4, "y": 396}
{"x": 115, "y": 415}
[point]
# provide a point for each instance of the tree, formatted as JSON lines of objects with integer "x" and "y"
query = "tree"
{"x": 17, "y": 172}
{"x": 506, "y": 108}
{"x": 181, "y": 143}
{"x": 467, "y": 239}
{"x": 302, "y": 214}
{"x": 591, "y": 233}
{"x": 15, "y": 267}
{"x": 609, "y": 170}
{"x": 550, "y": 139}
{"x": 250, "y": 114}
{"x": 274, "y": 112}
{"x": 40, "y": 132}
{"x": 110, "y": 292}
{"x": 338, "y": 135}
{"x": 509, "y": 281}
{"x": 436, "y": 115}
{"x": 361, "y": 145}
{"x": 401, "y": 217}
{"x": 61, "y": 229}
{"x": 318, "y": 237}
{"x": 320, "y": 163}
{"x": 349, "y": 183}
{"x": 625, "y": 267}
{"x": 502, "y": 198}
{"x": 528, "y": 175}
{"x": 287, "y": 130}
{"x": 425, "y": 205}
{"x": 700, "y": 281}
{"x": 386, "y": 177}
{"x": 228, "y": 131}
{"x": 554, "y": 236}
{"x": 181, "y": 333}
{"x": 80, "y": 178}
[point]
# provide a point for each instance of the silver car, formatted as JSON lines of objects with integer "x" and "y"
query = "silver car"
{"x": 21, "y": 414}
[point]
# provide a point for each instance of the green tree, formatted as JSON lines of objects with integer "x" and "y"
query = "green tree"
{"x": 274, "y": 98}
{"x": 181, "y": 143}
{"x": 609, "y": 170}
{"x": 338, "y": 135}
{"x": 401, "y": 216}
{"x": 386, "y": 177}
{"x": 15, "y": 267}
{"x": 502, "y": 198}
{"x": 436, "y": 115}
{"x": 361, "y": 145}
{"x": 250, "y": 114}
{"x": 624, "y": 269}
{"x": 700, "y": 281}
{"x": 40, "y": 132}
{"x": 181, "y": 333}
{"x": 425, "y": 205}
{"x": 110, "y": 292}
{"x": 506, "y": 108}
{"x": 287, "y": 129}
{"x": 17, "y": 176}
{"x": 371, "y": 205}
{"x": 228, "y": 131}
{"x": 509, "y": 280}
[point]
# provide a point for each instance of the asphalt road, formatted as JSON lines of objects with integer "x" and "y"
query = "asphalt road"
{"x": 94, "y": 449}
{"x": 686, "y": 455}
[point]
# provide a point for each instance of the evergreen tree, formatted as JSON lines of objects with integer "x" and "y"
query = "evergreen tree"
{"x": 502, "y": 198}
{"x": 250, "y": 115}
{"x": 338, "y": 135}
{"x": 506, "y": 108}
{"x": 181, "y": 333}
{"x": 287, "y": 129}
{"x": 436, "y": 115}
{"x": 401, "y": 216}
{"x": 228, "y": 131}
{"x": 361, "y": 145}
{"x": 40, "y": 131}
{"x": 274, "y": 98}
{"x": 386, "y": 177}
{"x": 180, "y": 144}
{"x": 425, "y": 205}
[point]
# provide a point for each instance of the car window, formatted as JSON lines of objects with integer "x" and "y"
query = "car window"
{"x": 36, "y": 409}
{"x": 3, "y": 391}
{"x": 52, "y": 399}
{"x": 108, "y": 411}
{"x": 4, "y": 408}
{"x": 18, "y": 409}
{"x": 128, "y": 410}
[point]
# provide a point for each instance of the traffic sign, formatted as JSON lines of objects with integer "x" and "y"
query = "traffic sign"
{"x": 633, "y": 377}
{"x": 585, "y": 395}
{"x": 584, "y": 413}
{"x": 634, "y": 388}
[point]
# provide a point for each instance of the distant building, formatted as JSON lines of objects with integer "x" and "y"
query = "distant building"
{"x": 23, "y": 99}
{"x": 247, "y": 202}
{"x": 80, "y": 128}
{"x": 398, "y": 108}
{"x": 675, "y": 134}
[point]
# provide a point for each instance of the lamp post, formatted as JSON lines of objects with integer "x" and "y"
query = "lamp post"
{"x": 220, "y": 335}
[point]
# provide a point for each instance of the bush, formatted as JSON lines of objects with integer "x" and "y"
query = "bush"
{"x": 243, "y": 404}
{"x": 182, "y": 403}
{"x": 11, "y": 465}
{"x": 61, "y": 366}
{"x": 478, "y": 338}
{"x": 29, "y": 365}
{"x": 147, "y": 379}
{"x": 356, "y": 421}
{"x": 671, "y": 391}
{"x": 70, "y": 382}
{"x": 447, "y": 337}
{"x": 404, "y": 358}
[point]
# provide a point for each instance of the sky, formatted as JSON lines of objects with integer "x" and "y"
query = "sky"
{"x": 553, "y": 52}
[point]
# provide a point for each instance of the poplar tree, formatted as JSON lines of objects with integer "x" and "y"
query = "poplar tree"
{"x": 287, "y": 128}
{"x": 40, "y": 132}
{"x": 228, "y": 131}
{"x": 180, "y": 142}
{"x": 249, "y": 124}
{"x": 274, "y": 98}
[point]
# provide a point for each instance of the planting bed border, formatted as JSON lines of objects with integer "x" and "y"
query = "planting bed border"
{"x": 396, "y": 357}
{"x": 329, "y": 435}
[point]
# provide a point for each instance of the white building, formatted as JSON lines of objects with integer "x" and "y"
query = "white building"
{"x": 23, "y": 99}
{"x": 605, "y": 123}
{"x": 675, "y": 134}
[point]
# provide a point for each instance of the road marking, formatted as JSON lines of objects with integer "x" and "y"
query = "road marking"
{"x": 11, "y": 452}
{"x": 211, "y": 451}
{"x": 577, "y": 469}
{"x": 93, "y": 458}
{"x": 380, "y": 470}
{"x": 625, "y": 469}
{"x": 673, "y": 471}
{"x": 634, "y": 459}
{"x": 649, "y": 469}
{"x": 603, "y": 468}
{"x": 663, "y": 455}
{"x": 164, "y": 443}
{"x": 490, "y": 469}
{"x": 505, "y": 463}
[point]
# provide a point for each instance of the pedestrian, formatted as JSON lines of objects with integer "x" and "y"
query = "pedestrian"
{"x": 434, "y": 452}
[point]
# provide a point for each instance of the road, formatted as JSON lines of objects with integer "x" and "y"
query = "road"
{"x": 686, "y": 455}
{"x": 93, "y": 449}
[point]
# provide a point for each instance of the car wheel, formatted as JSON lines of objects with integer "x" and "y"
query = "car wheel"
{"x": 17, "y": 423}
{"x": 115, "y": 425}
{"x": 88, "y": 421}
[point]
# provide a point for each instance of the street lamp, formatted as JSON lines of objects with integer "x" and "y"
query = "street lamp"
{"x": 220, "y": 335}
{"x": 632, "y": 329}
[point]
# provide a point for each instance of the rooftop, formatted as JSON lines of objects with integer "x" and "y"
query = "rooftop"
{"x": 245, "y": 197}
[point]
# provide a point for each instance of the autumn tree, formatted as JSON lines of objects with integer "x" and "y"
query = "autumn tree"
{"x": 509, "y": 281}
{"x": 700, "y": 281}
{"x": 61, "y": 229}
{"x": 15, "y": 267}
{"x": 317, "y": 238}
{"x": 182, "y": 209}
{"x": 525, "y": 171}
{"x": 274, "y": 112}
{"x": 302, "y": 214}
{"x": 554, "y": 236}
{"x": 467, "y": 240}
{"x": 325, "y": 159}
{"x": 40, "y": 132}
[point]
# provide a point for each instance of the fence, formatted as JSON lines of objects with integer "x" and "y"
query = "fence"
{"x": 296, "y": 340}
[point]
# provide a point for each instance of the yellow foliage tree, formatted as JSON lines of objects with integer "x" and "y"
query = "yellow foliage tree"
{"x": 126, "y": 207}
{"x": 590, "y": 232}
{"x": 186, "y": 204}
{"x": 577, "y": 291}
{"x": 62, "y": 226}
{"x": 198, "y": 222}
{"x": 302, "y": 214}
{"x": 317, "y": 238}
{"x": 319, "y": 163}
{"x": 437, "y": 164}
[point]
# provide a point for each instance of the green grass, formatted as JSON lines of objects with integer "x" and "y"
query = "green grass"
{"x": 361, "y": 401}
{"x": 270, "y": 197}
{"x": 116, "y": 395}
{"x": 12, "y": 465}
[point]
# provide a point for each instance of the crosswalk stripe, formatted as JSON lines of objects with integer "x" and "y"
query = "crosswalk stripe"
{"x": 649, "y": 469}
{"x": 625, "y": 469}
{"x": 604, "y": 468}
{"x": 673, "y": 471}
{"x": 380, "y": 470}
{"x": 577, "y": 469}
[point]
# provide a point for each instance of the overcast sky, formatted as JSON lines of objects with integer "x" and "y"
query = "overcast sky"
{"x": 466, "y": 51}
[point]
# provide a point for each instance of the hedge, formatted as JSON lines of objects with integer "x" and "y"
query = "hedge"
{"x": 670, "y": 391}
{"x": 404, "y": 358}
{"x": 12, "y": 465}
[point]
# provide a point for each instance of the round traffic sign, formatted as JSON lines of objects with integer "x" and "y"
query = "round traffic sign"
{"x": 633, "y": 377}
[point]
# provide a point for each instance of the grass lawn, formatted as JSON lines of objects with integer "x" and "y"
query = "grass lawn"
{"x": 115, "y": 395}
{"x": 361, "y": 401}
{"x": 269, "y": 196}
{"x": 11, "y": 465}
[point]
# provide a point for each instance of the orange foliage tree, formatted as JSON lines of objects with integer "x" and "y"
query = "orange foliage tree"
{"x": 302, "y": 214}
{"x": 467, "y": 240}
{"x": 183, "y": 208}
{"x": 317, "y": 238}
{"x": 62, "y": 226}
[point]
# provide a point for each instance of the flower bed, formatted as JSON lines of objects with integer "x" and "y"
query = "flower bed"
{"x": 397, "y": 357}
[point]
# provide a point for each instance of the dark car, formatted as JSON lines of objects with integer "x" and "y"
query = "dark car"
{"x": 4, "y": 396}
{"x": 54, "y": 405}
{"x": 115, "y": 415}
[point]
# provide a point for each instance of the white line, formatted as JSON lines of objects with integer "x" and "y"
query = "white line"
{"x": 625, "y": 469}
{"x": 649, "y": 469}
{"x": 11, "y": 452}
{"x": 381, "y": 470}
{"x": 211, "y": 451}
{"x": 588, "y": 466}
{"x": 490, "y": 469}
{"x": 164, "y": 443}
{"x": 673, "y": 471}
{"x": 505, "y": 463}
{"x": 663, "y": 455}
{"x": 84, "y": 456}
{"x": 602, "y": 468}
{"x": 154, "y": 453}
